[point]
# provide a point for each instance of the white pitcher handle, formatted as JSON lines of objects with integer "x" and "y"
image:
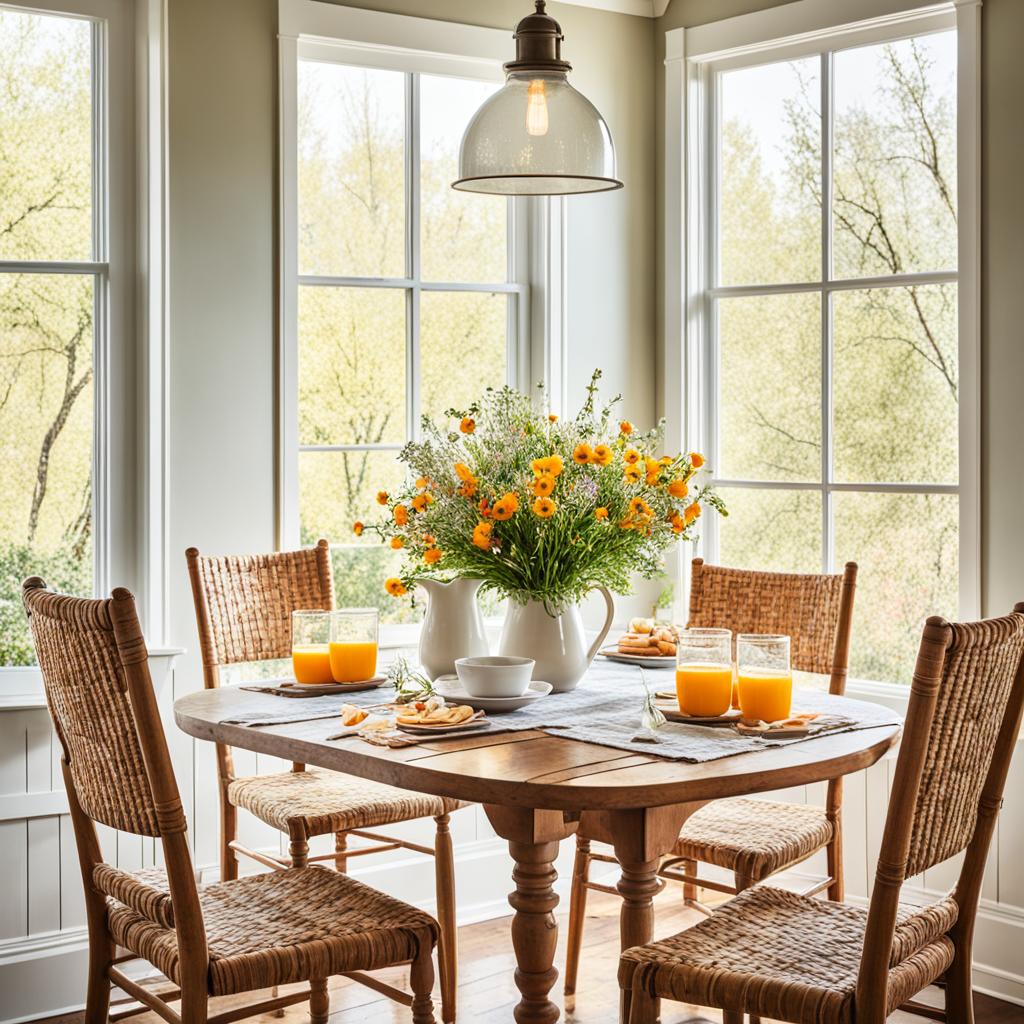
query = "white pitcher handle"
{"x": 610, "y": 605}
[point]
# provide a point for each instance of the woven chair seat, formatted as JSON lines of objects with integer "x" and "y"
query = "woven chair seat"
{"x": 283, "y": 927}
{"x": 789, "y": 957}
{"x": 754, "y": 838}
{"x": 316, "y": 803}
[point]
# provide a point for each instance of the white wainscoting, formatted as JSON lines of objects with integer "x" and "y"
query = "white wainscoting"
{"x": 42, "y": 924}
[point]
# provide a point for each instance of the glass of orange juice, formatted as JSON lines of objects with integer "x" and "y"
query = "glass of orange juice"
{"x": 763, "y": 676}
{"x": 311, "y": 634}
{"x": 704, "y": 672}
{"x": 353, "y": 645}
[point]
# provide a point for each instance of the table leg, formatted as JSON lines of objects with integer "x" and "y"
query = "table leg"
{"x": 533, "y": 838}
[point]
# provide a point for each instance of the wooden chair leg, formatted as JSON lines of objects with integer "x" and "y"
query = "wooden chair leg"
{"x": 319, "y": 1002}
{"x": 194, "y": 1004}
{"x": 298, "y": 850}
{"x": 228, "y": 830}
{"x": 834, "y": 856}
{"x": 733, "y": 1017}
{"x": 577, "y": 915}
{"x": 959, "y": 994}
{"x": 448, "y": 944}
{"x": 638, "y": 1007}
{"x": 689, "y": 888}
{"x": 340, "y": 848}
{"x": 421, "y": 980}
{"x": 97, "y": 997}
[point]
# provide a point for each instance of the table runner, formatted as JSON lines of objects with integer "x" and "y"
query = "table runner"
{"x": 604, "y": 709}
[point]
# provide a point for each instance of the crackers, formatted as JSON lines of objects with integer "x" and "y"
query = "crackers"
{"x": 647, "y": 640}
{"x": 423, "y": 714}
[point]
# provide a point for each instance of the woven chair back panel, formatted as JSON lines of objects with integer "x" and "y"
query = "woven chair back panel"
{"x": 977, "y": 681}
{"x": 804, "y": 607}
{"x": 251, "y": 600}
{"x": 85, "y": 690}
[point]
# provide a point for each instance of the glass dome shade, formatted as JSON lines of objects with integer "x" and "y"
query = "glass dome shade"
{"x": 537, "y": 136}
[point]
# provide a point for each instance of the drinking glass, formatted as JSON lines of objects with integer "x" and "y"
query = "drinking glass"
{"x": 353, "y": 646}
{"x": 311, "y": 634}
{"x": 764, "y": 677}
{"x": 704, "y": 672}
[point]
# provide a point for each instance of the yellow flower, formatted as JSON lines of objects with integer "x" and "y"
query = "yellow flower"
{"x": 422, "y": 482}
{"x": 691, "y": 512}
{"x": 468, "y": 489}
{"x": 382, "y": 497}
{"x": 553, "y": 464}
{"x": 665, "y": 460}
{"x": 482, "y": 535}
{"x": 653, "y": 468}
{"x": 401, "y": 514}
{"x": 544, "y": 507}
{"x": 626, "y": 524}
{"x": 631, "y": 456}
{"x": 552, "y": 418}
{"x": 394, "y": 586}
{"x": 625, "y": 427}
{"x": 505, "y": 507}
{"x": 397, "y": 543}
{"x": 602, "y": 454}
{"x": 696, "y": 460}
{"x": 421, "y": 501}
{"x": 678, "y": 488}
{"x": 463, "y": 472}
{"x": 632, "y": 474}
{"x": 357, "y": 528}
{"x": 601, "y": 512}
{"x": 639, "y": 507}
{"x": 432, "y": 555}
{"x": 582, "y": 454}
{"x": 468, "y": 425}
{"x": 543, "y": 486}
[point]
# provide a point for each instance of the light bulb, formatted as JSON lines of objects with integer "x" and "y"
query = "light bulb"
{"x": 536, "y": 108}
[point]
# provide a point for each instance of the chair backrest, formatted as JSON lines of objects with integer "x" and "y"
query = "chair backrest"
{"x": 963, "y": 718}
{"x": 117, "y": 768}
{"x": 814, "y": 610}
{"x": 244, "y": 603}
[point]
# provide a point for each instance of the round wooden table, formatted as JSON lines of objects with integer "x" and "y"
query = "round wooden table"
{"x": 537, "y": 789}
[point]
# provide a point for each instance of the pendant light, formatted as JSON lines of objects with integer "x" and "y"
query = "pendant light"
{"x": 537, "y": 135}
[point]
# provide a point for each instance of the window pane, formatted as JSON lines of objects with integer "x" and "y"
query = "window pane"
{"x": 894, "y": 179}
{"x": 351, "y": 171}
{"x": 906, "y": 547}
{"x": 770, "y": 173}
{"x": 45, "y": 137}
{"x": 771, "y": 530}
{"x": 769, "y": 418}
{"x": 464, "y": 236}
{"x": 895, "y": 385}
{"x": 351, "y": 365}
{"x": 46, "y": 418}
{"x": 359, "y": 575}
{"x": 463, "y": 348}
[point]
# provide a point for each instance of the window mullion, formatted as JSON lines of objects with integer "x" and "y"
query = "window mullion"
{"x": 710, "y": 167}
{"x": 413, "y": 261}
{"x": 827, "y": 525}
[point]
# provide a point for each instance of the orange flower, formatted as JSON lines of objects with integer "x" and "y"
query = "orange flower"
{"x": 397, "y": 543}
{"x": 602, "y": 454}
{"x": 543, "y": 486}
{"x": 631, "y": 456}
{"x": 626, "y": 524}
{"x": 395, "y": 587}
{"x": 553, "y": 464}
{"x": 432, "y": 555}
{"x": 468, "y": 425}
{"x": 464, "y": 473}
{"x": 601, "y": 512}
{"x": 485, "y": 507}
{"x": 653, "y": 468}
{"x": 544, "y": 507}
{"x": 691, "y": 512}
{"x": 422, "y": 482}
{"x": 468, "y": 489}
{"x": 582, "y": 454}
{"x": 552, "y": 418}
{"x": 678, "y": 488}
{"x": 421, "y": 501}
{"x": 428, "y": 539}
{"x": 678, "y": 523}
{"x": 696, "y": 460}
{"x": 639, "y": 507}
{"x": 505, "y": 507}
{"x": 382, "y": 497}
{"x": 482, "y": 535}
{"x": 401, "y": 514}
{"x": 357, "y": 528}
{"x": 625, "y": 427}
{"x": 632, "y": 474}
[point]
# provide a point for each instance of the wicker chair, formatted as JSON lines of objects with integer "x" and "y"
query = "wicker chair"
{"x": 243, "y": 610}
{"x": 298, "y": 925}
{"x": 793, "y": 958}
{"x": 752, "y": 838}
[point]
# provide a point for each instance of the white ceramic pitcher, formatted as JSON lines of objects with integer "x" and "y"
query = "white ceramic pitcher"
{"x": 453, "y": 627}
{"x": 557, "y": 642}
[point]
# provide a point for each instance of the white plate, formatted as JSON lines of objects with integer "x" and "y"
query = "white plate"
{"x": 660, "y": 661}
{"x": 451, "y": 689}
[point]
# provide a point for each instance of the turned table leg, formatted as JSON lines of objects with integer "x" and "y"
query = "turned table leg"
{"x": 533, "y": 837}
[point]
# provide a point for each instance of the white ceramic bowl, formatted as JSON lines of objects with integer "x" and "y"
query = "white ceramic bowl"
{"x": 495, "y": 675}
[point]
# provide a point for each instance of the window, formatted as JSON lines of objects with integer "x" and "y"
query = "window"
{"x": 408, "y": 300}
{"x": 828, "y": 335}
{"x": 62, "y": 300}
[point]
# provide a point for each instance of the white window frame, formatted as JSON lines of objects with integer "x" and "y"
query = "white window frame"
{"x": 128, "y": 267}
{"x": 310, "y": 30}
{"x": 799, "y": 29}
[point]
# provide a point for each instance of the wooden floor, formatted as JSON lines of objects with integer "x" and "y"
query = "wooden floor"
{"x": 487, "y": 992}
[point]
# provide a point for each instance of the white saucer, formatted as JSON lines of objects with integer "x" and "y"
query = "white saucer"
{"x": 451, "y": 689}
